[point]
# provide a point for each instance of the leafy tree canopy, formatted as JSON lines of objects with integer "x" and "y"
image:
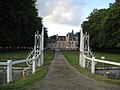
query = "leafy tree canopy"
{"x": 18, "y": 23}
{"x": 103, "y": 27}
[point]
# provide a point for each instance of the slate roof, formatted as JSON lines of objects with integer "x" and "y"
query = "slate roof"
{"x": 62, "y": 38}
{"x": 71, "y": 36}
{"x": 51, "y": 41}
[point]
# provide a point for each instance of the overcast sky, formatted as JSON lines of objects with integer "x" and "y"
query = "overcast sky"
{"x": 63, "y": 16}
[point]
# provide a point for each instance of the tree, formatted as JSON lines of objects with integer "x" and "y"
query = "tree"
{"x": 45, "y": 36}
{"x": 103, "y": 27}
{"x": 53, "y": 37}
{"x": 18, "y": 23}
{"x": 117, "y": 1}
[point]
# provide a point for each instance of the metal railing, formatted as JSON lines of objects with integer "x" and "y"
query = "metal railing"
{"x": 9, "y": 64}
{"x": 84, "y": 42}
{"x": 94, "y": 61}
{"x": 36, "y": 54}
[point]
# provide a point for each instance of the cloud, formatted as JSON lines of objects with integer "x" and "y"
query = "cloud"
{"x": 68, "y": 12}
{"x": 61, "y": 29}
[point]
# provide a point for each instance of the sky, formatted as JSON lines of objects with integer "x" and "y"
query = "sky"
{"x": 63, "y": 16}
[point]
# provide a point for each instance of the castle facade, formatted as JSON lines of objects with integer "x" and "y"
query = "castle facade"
{"x": 68, "y": 42}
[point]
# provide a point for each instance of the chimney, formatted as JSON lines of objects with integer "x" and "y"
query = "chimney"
{"x": 72, "y": 32}
{"x": 57, "y": 37}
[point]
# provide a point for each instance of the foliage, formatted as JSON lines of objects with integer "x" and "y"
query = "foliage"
{"x": 45, "y": 36}
{"x": 118, "y": 1}
{"x": 18, "y": 23}
{"x": 53, "y": 37}
{"x": 103, "y": 27}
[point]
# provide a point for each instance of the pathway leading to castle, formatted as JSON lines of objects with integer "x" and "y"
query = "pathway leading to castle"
{"x": 62, "y": 76}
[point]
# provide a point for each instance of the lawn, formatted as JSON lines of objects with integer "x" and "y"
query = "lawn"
{"x": 20, "y": 55}
{"x": 115, "y": 57}
{"x": 13, "y": 55}
{"x": 73, "y": 58}
{"x": 40, "y": 73}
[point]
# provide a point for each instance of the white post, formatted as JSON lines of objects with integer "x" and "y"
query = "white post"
{"x": 42, "y": 47}
{"x": 35, "y": 44}
{"x": 39, "y": 58}
{"x": 80, "y": 55}
{"x": 93, "y": 65}
{"x": 33, "y": 65}
{"x": 88, "y": 48}
{"x": 82, "y": 59}
{"x": 9, "y": 71}
{"x": 41, "y": 50}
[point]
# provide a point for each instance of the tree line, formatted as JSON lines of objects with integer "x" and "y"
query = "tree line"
{"x": 18, "y": 23}
{"x": 103, "y": 26}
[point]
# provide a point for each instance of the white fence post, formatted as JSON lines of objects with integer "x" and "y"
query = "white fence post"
{"x": 93, "y": 65}
{"x": 41, "y": 50}
{"x": 33, "y": 65}
{"x": 42, "y": 47}
{"x": 82, "y": 59}
{"x": 39, "y": 57}
{"x": 9, "y": 71}
{"x": 84, "y": 62}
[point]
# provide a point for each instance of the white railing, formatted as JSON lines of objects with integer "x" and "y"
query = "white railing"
{"x": 36, "y": 54}
{"x": 94, "y": 61}
{"x": 9, "y": 64}
{"x": 3, "y": 63}
{"x": 82, "y": 57}
{"x": 30, "y": 54}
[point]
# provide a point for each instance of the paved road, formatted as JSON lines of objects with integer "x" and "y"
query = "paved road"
{"x": 62, "y": 76}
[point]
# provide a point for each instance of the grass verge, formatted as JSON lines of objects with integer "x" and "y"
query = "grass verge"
{"x": 21, "y": 55}
{"x": 48, "y": 56}
{"x": 13, "y": 55}
{"x": 73, "y": 57}
{"x": 20, "y": 84}
{"x": 40, "y": 73}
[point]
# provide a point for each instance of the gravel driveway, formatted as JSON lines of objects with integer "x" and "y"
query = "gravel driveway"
{"x": 62, "y": 76}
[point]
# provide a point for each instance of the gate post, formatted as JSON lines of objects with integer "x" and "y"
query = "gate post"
{"x": 81, "y": 58}
{"x": 42, "y": 46}
{"x": 41, "y": 50}
{"x": 39, "y": 57}
{"x": 93, "y": 65}
{"x": 9, "y": 71}
{"x": 33, "y": 65}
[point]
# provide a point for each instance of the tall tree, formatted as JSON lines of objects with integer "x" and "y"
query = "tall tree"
{"x": 45, "y": 36}
{"x": 18, "y": 22}
{"x": 103, "y": 27}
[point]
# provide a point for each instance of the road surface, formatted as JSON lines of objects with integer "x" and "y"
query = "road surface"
{"x": 62, "y": 76}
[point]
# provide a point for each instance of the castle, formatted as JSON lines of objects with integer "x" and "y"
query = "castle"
{"x": 68, "y": 42}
